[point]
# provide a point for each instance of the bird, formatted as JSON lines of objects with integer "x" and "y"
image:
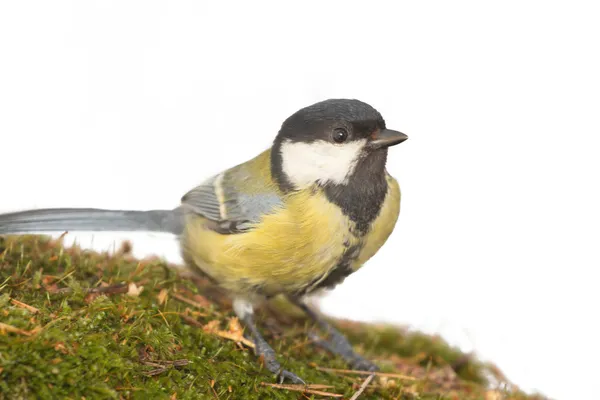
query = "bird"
{"x": 296, "y": 219}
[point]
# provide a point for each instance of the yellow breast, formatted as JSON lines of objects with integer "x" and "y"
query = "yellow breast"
{"x": 293, "y": 248}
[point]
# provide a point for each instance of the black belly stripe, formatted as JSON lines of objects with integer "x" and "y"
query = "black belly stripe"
{"x": 337, "y": 274}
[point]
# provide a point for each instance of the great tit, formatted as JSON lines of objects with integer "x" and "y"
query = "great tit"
{"x": 299, "y": 217}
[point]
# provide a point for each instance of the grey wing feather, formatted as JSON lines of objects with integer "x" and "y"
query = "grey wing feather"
{"x": 203, "y": 200}
{"x": 255, "y": 206}
{"x": 220, "y": 200}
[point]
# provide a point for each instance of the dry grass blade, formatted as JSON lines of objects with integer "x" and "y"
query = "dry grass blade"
{"x": 383, "y": 374}
{"x": 13, "y": 329}
{"x": 134, "y": 290}
{"x": 310, "y": 389}
{"x": 363, "y": 387}
{"x": 162, "y": 296}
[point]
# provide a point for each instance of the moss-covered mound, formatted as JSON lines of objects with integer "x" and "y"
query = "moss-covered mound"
{"x": 78, "y": 324}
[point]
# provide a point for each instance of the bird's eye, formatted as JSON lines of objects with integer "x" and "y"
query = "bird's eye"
{"x": 340, "y": 135}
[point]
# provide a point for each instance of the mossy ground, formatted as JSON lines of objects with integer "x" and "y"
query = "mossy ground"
{"x": 61, "y": 336}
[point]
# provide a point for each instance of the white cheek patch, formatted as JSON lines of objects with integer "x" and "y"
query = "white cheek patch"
{"x": 320, "y": 161}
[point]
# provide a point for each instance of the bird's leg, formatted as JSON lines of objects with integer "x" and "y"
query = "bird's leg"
{"x": 336, "y": 342}
{"x": 245, "y": 312}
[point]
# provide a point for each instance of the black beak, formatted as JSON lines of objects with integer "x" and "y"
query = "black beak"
{"x": 387, "y": 138}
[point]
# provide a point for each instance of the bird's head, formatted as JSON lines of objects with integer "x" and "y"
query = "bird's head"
{"x": 327, "y": 142}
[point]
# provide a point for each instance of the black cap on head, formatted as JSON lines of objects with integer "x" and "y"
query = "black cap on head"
{"x": 351, "y": 110}
{"x": 319, "y": 121}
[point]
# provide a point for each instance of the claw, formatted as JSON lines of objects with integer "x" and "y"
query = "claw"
{"x": 284, "y": 374}
{"x": 361, "y": 364}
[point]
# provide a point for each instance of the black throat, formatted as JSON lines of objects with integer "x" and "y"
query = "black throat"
{"x": 362, "y": 197}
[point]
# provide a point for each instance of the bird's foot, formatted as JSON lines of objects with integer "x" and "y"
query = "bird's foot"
{"x": 338, "y": 344}
{"x": 267, "y": 354}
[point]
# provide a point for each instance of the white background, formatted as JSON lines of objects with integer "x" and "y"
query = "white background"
{"x": 128, "y": 104}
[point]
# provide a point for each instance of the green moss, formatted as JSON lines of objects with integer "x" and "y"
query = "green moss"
{"x": 58, "y": 340}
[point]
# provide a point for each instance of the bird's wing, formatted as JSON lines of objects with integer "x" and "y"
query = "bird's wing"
{"x": 235, "y": 200}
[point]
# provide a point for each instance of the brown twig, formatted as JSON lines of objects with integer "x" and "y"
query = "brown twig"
{"x": 311, "y": 389}
{"x": 190, "y": 320}
{"x": 188, "y": 301}
{"x": 363, "y": 387}
{"x": 25, "y": 306}
{"x": 114, "y": 289}
{"x": 350, "y": 371}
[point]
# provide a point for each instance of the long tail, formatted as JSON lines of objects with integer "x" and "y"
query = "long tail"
{"x": 91, "y": 219}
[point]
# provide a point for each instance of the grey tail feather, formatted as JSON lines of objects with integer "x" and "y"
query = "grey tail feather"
{"x": 92, "y": 219}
